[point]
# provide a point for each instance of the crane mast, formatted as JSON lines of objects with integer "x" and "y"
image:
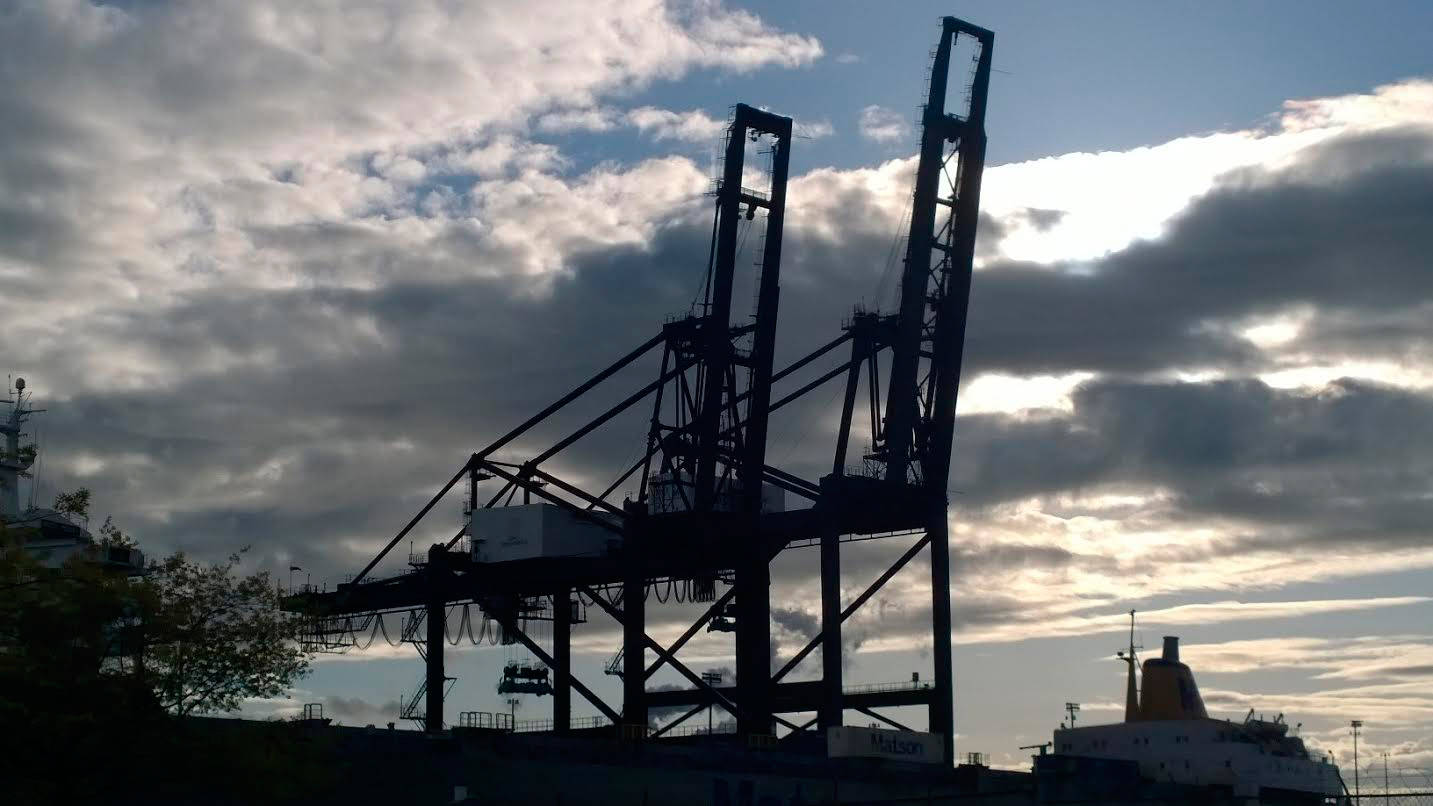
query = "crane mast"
{"x": 930, "y": 337}
{"x": 935, "y": 285}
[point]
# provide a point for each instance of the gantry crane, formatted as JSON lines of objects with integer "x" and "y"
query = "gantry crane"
{"x": 705, "y": 514}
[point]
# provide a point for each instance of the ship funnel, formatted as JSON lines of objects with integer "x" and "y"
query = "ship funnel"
{"x": 1171, "y": 648}
{"x": 1169, "y": 689}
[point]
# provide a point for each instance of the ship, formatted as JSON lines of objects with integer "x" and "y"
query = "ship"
{"x": 49, "y": 536}
{"x": 1168, "y": 740}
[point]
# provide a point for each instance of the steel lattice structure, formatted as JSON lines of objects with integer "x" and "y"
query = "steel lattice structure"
{"x": 698, "y": 517}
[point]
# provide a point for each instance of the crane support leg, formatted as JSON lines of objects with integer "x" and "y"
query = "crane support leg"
{"x": 942, "y": 705}
{"x": 830, "y": 714}
{"x": 753, "y": 643}
{"x": 634, "y": 635}
{"x": 437, "y": 621}
{"x": 562, "y": 655}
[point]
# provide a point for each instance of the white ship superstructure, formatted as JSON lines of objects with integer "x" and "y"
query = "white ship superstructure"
{"x": 1169, "y": 734}
{"x": 17, "y": 459}
{"x": 49, "y": 536}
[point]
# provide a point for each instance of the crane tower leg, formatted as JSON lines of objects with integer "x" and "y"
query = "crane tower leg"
{"x": 437, "y": 618}
{"x": 562, "y": 654}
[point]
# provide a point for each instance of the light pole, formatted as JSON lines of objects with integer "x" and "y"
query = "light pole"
{"x": 1385, "y": 776}
{"x": 1357, "y": 723}
{"x": 711, "y": 679}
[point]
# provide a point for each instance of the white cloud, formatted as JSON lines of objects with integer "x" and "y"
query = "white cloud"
{"x": 1110, "y": 199}
{"x": 883, "y": 125}
{"x": 591, "y": 119}
{"x": 994, "y": 392}
{"x": 663, "y": 124}
{"x": 175, "y": 124}
{"x": 813, "y": 130}
{"x": 1371, "y": 658}
{"x": 197, "y": 149}
{"x": 1389, "y": 105}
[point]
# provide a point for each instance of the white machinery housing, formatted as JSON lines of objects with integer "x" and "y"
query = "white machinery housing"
{"x": 531, "y": 531}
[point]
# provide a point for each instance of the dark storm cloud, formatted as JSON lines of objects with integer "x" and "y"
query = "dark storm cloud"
{"x": 1344, "y": 231}
{"x": 1349, "y": 461}
{"x": 444, "y": 366}
{"x": 1041, "y": 219}
{"x": 798, "y": 622}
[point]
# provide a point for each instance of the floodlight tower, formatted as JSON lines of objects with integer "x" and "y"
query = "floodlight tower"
{"x": 1357, "y": 725}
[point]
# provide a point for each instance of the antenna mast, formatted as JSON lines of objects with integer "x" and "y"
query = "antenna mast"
{"x": 1131, "y": 690}
{"x": 16, "y": 460}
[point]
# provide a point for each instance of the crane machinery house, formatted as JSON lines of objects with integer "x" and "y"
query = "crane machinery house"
{"x": 533, "y": 531}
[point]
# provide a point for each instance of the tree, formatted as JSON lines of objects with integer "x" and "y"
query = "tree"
{"x": 76, "y": 502}
{"x": 215, "y": 638}
{"x": 59, "y": 628}
{"x": 94, "y": 664}
{"x": 199, "y": 637}
{"x": 112, "y": 537}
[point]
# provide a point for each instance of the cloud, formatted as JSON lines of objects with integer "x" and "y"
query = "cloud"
{"x": 156, "y": 137}
{"x": 1034, "y": 621}
{"x": 589, "y": 119}
{"x": 1385, "y": 658}
{"x": 281, "y": 267}
{"x": 358, "y": 711}
{"x": 813, "y": 130}
{"x": 664, "y": 124}
{"x": 693, "y": 126}
{"x": 1149, "y": 186}
{"x": 882, "y": 125}
{"x": 1235, "y": 450}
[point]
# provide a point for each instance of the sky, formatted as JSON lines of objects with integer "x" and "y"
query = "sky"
{"x": 276, "y": 268}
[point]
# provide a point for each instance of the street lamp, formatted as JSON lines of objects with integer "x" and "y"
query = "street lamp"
{"x": 1357, "y": 723}
{"x": 711, "y": 679}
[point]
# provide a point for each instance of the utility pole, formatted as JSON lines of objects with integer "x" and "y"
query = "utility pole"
{"x": 1357, "y": 723}
{"x": 1385, "y": 775}
{"x": 1073, "y": 708}
{"x": 711, "y": 679}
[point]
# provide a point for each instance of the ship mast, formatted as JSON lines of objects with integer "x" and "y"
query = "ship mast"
{"x": 16, "y": 460}
{"x": 1131, "y": 691}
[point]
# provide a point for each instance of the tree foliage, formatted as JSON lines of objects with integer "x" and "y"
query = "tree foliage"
{"x": 95, "y": 666}
{"x": 196, "y": 637}
{"x": 76, "y": 502}
{"x": 60, "y": 630}
{"x": 216, "y": 638}
{"x": 111, "y": 536}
